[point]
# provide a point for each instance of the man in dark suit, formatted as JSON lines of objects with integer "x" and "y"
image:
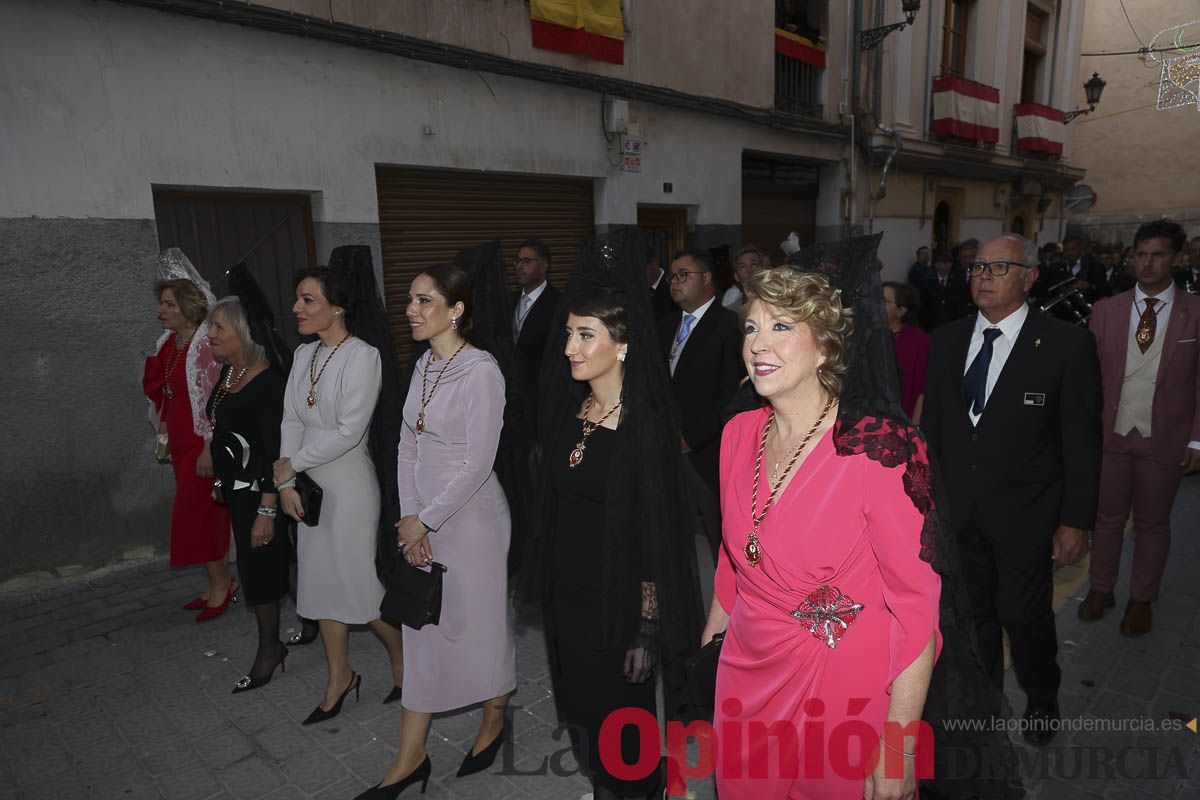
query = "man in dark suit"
{"x": 702, "y": 343}
{"x": 1012, "y": 415}
{"x": 533, "y": 314}
{"x": 945, "y": 297}
{"x": 921, "y": 269}
{"x": 1187, "y": 277}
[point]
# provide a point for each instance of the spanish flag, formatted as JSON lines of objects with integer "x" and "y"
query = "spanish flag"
{"x": 591, "y": 27}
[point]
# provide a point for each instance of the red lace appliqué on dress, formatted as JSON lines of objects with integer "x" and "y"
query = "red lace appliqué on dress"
{"x": 893, "y": 444}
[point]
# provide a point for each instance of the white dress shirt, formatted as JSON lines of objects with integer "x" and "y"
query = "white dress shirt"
{"x": 1162, "y": 309}
{"x": 1010, "y": 328}
{"x": 733, "y": 297}
{"x": 658, "y": 280}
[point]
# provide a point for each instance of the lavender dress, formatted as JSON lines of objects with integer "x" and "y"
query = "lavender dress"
{"x": 445, "y": 476}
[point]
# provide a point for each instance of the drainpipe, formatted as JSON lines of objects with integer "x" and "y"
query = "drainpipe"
{"x": 850, "y": 66}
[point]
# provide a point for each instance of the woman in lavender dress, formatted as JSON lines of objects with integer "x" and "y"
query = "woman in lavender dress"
{"x": 455, "y": 512}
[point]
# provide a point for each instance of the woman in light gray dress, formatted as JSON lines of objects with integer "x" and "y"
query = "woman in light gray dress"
{"x": 455, "y": 512}
{"x": 327, "y": 408}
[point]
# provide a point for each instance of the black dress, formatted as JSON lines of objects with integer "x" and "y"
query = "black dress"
{"x": 244, "y": 448}
{"x": 588, "y": 678}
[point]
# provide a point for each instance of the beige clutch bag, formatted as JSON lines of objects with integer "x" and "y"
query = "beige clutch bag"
{"x": 161, "y": 451}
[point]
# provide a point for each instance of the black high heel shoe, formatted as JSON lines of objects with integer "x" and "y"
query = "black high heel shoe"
{"x": 308, "y": 633}
{"x": 247, "y": 682}
{"x": 320, "y": 715}
{"x": 481, "y": 760}
{"x": 393, "y": 790}
{"x": 395, "y": 694}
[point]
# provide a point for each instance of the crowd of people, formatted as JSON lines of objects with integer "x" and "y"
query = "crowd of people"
{"x": 886, "y": 475}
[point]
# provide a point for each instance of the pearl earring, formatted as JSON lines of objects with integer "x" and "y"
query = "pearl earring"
{"x": 454, "y": 323}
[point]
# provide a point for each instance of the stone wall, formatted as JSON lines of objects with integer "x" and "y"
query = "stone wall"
{"x": 81, "y": 485}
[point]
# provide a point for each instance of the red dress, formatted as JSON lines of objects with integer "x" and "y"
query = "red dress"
{"x": 200, "y": 528}
{"x": 844, "y": 521}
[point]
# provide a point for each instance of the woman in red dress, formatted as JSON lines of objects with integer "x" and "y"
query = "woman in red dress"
{"x": 178, "y": 380}
{"x": 829, "y": 607}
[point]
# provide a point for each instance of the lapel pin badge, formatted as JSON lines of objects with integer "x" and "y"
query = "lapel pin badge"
{"x": 1037, "y": 342}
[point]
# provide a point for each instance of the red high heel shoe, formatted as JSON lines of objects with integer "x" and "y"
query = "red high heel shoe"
{"x": 211, "y": 612}
{"x": 200, "y": 602}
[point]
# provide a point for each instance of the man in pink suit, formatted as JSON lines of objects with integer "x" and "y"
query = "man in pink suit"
{"x": 1150, "y": 368}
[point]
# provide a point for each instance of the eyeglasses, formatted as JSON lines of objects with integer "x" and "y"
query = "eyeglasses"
{"x": 681, "y": 275}
{"x": 997, "y": 269}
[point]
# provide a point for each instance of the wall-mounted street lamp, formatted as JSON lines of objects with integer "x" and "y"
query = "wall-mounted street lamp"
{"x": 871, "y": 37}
{"x": 1094, "y": 88}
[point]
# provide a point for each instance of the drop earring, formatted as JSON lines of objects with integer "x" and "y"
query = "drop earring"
{"x": 621, "y": 357}
{"x": 454, "y": 323}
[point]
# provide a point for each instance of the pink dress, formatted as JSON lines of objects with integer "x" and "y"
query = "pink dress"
{"x": 843, "y": 522}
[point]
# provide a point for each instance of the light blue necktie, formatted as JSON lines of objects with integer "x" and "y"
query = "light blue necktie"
{"x": 685, "y": 330}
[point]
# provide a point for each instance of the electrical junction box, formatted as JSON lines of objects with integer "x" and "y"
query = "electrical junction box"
{"x": 616, "y": 115}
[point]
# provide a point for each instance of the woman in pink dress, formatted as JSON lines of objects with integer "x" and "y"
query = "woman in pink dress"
{"x": 824, "y": 586}
{"x": 912, "y": 346}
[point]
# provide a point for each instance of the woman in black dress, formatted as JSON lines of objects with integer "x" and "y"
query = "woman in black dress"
{"x": 246, "y": 408}
{"x": 614, "y": 558}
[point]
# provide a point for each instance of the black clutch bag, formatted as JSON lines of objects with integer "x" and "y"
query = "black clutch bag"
{"x": 311, "y": 496}
{"x": 413, "y": 596}
{"x": 701, "y": 667}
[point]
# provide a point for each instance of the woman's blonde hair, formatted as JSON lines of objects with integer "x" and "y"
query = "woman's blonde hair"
{"x": 807, "y": 298}
{"x": 191, "y": 301}
{"x": 233, "y": 314}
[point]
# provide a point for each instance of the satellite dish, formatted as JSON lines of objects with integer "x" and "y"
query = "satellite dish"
{"x": 1080, "y": 198}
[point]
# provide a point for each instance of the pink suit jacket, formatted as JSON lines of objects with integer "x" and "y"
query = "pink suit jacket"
{"x": 1174, "y": 420}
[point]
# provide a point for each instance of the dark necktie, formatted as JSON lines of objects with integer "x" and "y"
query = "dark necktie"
{"x": 1147, "y": 326}
{"x": 975, "y": 381}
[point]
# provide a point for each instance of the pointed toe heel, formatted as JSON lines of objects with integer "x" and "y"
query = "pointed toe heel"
{"x": 481, "y": 760}
{"x": 392, "y": 790}
{"x": 246, "y": 682}
{"x": 395, "y": 694}
{"x": 321, "y": 715}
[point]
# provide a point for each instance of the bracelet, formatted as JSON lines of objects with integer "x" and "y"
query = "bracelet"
{"x": 897, "y": 750}
{"x": 267, "y": 511}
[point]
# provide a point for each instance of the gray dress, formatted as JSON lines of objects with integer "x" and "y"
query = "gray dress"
{"x": 336, "y": 559}
{"x": 445, "y": 477}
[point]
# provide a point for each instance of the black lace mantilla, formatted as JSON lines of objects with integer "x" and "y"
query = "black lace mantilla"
{"x": 894, "y": 444}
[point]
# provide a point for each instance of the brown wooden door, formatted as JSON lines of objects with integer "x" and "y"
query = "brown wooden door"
{"x": 671, "y": 223}
{"x": 427, "y": 215}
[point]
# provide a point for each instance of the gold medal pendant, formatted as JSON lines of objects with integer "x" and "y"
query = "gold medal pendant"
{"x": 421, "y": 423}
{"x": 752, "y": 550}
{"x": 169, "y": 392}
{"x": 312, "y": 397}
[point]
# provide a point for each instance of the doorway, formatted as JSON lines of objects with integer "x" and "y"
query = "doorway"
{"x": 669, "y": 221}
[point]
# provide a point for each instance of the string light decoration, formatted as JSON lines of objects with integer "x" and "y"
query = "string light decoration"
{"x": 1178, "y": 63}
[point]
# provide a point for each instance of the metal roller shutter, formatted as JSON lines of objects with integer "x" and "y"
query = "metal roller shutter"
{"x": 428, "y": 215}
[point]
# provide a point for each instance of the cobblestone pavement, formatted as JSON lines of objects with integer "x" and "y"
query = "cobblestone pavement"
{"x": 108, "y": 690}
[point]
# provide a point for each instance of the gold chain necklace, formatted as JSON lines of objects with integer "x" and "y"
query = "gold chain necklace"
{"x": 172, "y": 361}
{"x": 753, "y": 548}
{"x": 223, "y": 388}
{"x": 426, "y": 400}
{"x": 313, "y": 376}
{"x": 588, "y": 428}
